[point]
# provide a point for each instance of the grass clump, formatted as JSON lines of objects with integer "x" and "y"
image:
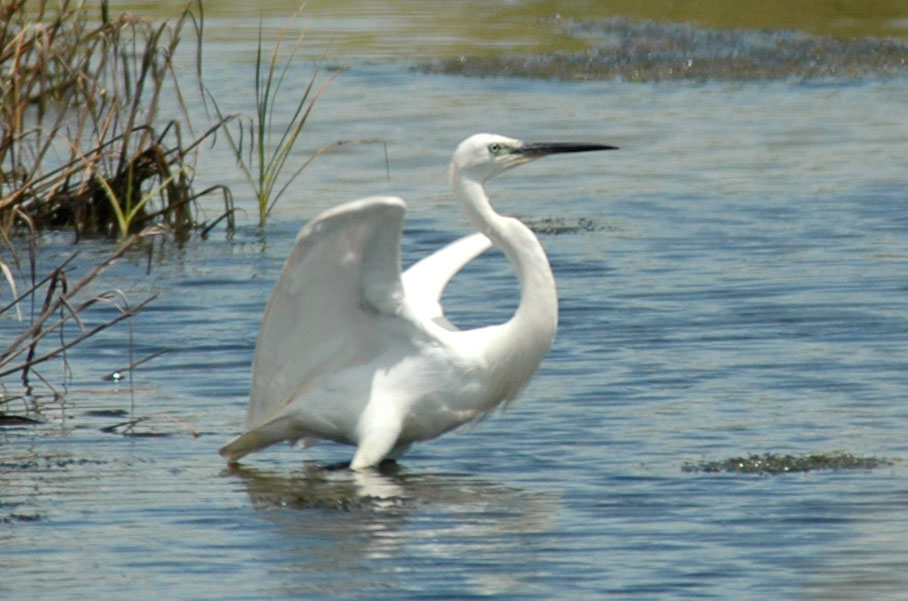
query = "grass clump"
{"x": 263, "y": 159}
{"x": 773, "y": 464}
{"x": 83, "y": 145}
{"x": 86, "y": 146}
{"x": 262, "y": 150}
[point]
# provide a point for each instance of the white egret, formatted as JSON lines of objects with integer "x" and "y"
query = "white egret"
{"x": 352, "y": 350}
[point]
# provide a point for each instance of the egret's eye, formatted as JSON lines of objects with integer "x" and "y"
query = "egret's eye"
{"x": 495, "y": 148}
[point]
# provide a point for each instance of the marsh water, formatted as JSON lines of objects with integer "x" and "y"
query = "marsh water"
{"x": 734, "y": 280}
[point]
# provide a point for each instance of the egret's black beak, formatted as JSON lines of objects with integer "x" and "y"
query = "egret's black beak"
{"x": 543, "y": 149}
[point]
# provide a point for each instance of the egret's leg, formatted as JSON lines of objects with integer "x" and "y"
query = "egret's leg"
{"x": 377, "y": 441}
{"x": 398, "y": 450}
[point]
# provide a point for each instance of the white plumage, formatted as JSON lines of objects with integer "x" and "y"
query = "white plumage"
{"x": 354, "y": 351}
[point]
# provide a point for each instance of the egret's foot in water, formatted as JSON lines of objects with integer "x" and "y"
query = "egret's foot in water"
{"x": 336, "y": 467}
{"x": 386, "y": 467}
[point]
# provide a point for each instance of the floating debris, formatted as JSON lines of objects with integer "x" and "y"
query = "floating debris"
{"x": 10, "y": 419}
{"x": 19, "y": 517}
{"x": 129, "y": 428}
{"x": 772, "y": 464}
{"x": 647, "y": 51}
{"x": 106, "y": 413}
{"x": 556, "y": 225}
{"x": 119, "y": 374}
{"x": 45, "y": 463}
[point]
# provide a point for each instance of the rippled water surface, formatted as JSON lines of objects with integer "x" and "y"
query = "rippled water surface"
{"x": 732, "y": 281}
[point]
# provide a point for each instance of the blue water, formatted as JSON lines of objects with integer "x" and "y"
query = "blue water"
{"x": 732, "y": 281}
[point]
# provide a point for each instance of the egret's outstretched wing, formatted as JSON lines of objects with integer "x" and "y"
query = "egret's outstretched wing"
{"x": 424, "y": 282}
{"x": 343, "y": 271}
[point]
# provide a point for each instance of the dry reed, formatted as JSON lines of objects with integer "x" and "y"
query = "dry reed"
{"x": 84, "y": 147}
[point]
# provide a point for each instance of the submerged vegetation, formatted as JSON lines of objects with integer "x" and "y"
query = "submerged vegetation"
{"x": 772, "y": 464}
{"x": 646, "y": 51}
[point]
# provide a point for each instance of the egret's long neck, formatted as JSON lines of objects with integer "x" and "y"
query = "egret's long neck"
{"x": 531, "y": 330}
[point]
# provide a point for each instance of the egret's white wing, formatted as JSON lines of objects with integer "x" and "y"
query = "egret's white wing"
{"x": 424, "y": 282}
{"x": 343, "y": 271}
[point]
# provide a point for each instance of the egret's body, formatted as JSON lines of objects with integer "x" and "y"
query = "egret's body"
{"x": 355, "y": 351}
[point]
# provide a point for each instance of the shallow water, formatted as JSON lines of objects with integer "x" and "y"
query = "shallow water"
{"x": 733, "y": 280}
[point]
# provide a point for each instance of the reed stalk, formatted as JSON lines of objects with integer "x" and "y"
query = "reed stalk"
{"x": 261, "y": 158}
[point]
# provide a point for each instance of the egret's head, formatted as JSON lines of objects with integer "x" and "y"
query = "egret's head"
{"x": 482, "y": 156}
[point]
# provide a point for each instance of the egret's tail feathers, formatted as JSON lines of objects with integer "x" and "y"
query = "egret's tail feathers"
{"x": 266, "y": 435}
{"x": 242, "y": 445}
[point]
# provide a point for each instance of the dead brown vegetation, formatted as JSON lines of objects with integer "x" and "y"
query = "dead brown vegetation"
{"x": 83, "y": 145}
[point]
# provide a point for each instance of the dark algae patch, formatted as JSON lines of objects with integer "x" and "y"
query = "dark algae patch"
{"x": 772, "y": 464}
{"x": 627, "y": 50}
{"x": 555, "y": 226}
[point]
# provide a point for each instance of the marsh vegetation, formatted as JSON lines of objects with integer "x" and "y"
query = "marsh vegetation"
{"x": 96, "y": 140}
